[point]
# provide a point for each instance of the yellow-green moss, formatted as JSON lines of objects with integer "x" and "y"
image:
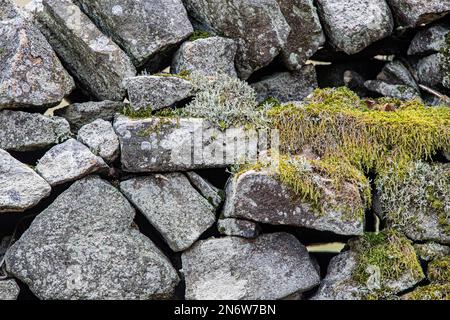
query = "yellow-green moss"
{"x": 439, "y": 270}
{"x": 157, "y": 126}
{"x": 183, "y": 74}
{"x": 430, "y": 292}
{"x": 199, "y": 34}
{"x": 143, "y": 113}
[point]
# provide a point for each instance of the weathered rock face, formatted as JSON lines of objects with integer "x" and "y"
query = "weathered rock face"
{"x": 68, "y": 161}
{"x": 412, "y": 13}
{"x": 96, "y": 62}
{"x": 100, "y": 137}
{"x": 21, "y": 131}
{"x": 9, "y": 290}
{"x": 258, "y": 28}
{"x": 155, "y": 92}
{"x": 176, "y": 209}
{"x": 146, "y": 30}
{"x": 397, "y": 73}
{"x": 287, "y": 86}
{"x": 430, "y": 71}
{"x": 207, "y": 190}
{"x": 209, "y": 56}
{"x": 31, "y": 75}
{"x": 392, "y": 90}
{"x": 238, "y": 228}
{"x": 273, "y": 266}
{"x": 87, "y": 250}
{"x": 306, "y": 35}
{"x": 431, "y": 251}
{"x": 353, "y": 25}
{"x": 20, "y": 187}
{"x": 260, "y": 197}
{"x": 429, "y": 41}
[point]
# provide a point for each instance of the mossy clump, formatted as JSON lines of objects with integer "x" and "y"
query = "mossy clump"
{"x": 142, "y": 113}
{"x": 183, "y": 74}
{"x": 439, "y": 270}
{"x": 199, "y": 34}
{"x": 430, "y": 292}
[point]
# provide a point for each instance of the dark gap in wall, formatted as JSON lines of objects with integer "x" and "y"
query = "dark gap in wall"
{"x": 274, "y": 67}
{"x": 25, "y": 293}
{"x": 217, "y": 177}
{"x": 79, "y": 96}
{"x": 29, "y": 157}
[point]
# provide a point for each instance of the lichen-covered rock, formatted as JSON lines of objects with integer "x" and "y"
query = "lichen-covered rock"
{"x": 210, "y": 192}
{"x": 238, "y": 228}
{"x": 395, "y": 72}
{"x": 306, "y": 35}
{"x": 31, "y": 75}
{"x": 176, "y": 209}
{"x": 430, "y": 292}
{"x": 21, "y": 131}
{"x": 209, "y": 56}
{"x": 9, "y": 290}
{"x": 412, "y": 13}
{"x": 20, "y": 187}
{"x": 258, "y": 28}
{"x": 100, "y": 137}
{"x": 429, "y": 41}
{"x": 270, "y": 267}
{"x": 83, "y": 246}
{"x": 352, "y": 25}
{"x": 287, "y": 86}
{"x": 95, "y": 61}
{"x": 431, "y": 250}
{"x": 431, "y": 71}
{"x": 157, "y": 92}
{"x": 67, "y": 162}
{"x": 402, "y": 92}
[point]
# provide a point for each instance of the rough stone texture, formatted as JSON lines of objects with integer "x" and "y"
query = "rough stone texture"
{"x": 175, "y": 208}
{"x": 306, "y": 35}
{"x": 80, "y": 114}
{"x": 31, "y": 75}
{"x": 431, "y": 250}
{"x": 9, "y": 290}
{"x": 21, "y": 131}
{"x": 287, "y": 86}
{"x": 271, "y": 267}
{"x": 20, "y": 187}
{"x": 260, "y": 197}
{"x": 352, "y": 25}
{"x": 430, "y": 71}
{"x": 154, "y": 92}
{"x": 146, "y": 30}
{"x": 86, "y": 249}
{"x": 208, "y": 56}
{"x": 100, "y": 137}
{"x": 392, "y": 90}
{"x": 238, "y": 228}
{"x": 397, "y": 73}
{"x": 429, "y": 41}
{"x": 96, "y": 62}
{"x": 355, "y": 82}
{"x": 207, "y": 190}
{"x": 412, "y": 13}
{"x": 67, "y": 162}
{"x": 258, "y": 28}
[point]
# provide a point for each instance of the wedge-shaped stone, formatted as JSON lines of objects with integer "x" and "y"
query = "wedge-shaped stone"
{"x": 101, "y": 139}
{"x": 9, "y": 290}
{"x": 412, "y": 13}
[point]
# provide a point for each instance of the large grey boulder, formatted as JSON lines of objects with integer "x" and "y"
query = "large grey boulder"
{"x": 31, "y": 75}
{"x": 238, "y": 228}
{"x": 412, "y": 13}
{"x": 9, "y": 290}
{"x": 258, "y": 28}
{"x": 402, "y": 92}
{"x": 270, "y": 267}
{"x": 20, "y": 187}
{"x": 83, "y": 246}
{"x": 95, "y": 61}
{"x": 67, "y": 162}
{"x": 209, "y": 56}
{"x": 172, "y": 206}
{"x": 21, "y": 131}
{"x": 430, "y": 40}
{"x": 146, "y": 30}
{"x": 207, "y": 190}
{"x": 306, "y": 35}
{"x": 352, "y": 25}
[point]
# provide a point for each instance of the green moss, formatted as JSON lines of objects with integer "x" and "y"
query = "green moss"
{"x": 156, "y": 127}
{"x": 183, "y": 74}
{"x": 439, "y": 270}
{"x": 199, "y": 34}
{"x": 222, "y": 230}
{"x": 430, "y": 292}
{"x": 271, "y": 101}
{"x": 143, "y": 113}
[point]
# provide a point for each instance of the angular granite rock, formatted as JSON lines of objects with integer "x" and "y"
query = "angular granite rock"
{"x": 238, "y": 228}
{"x": 206, "y": 189}
{"x": 431, "y": 71}
{"x": 31, "y": 75}
{"x": 392, "y": 90}
{"x": 270, "y": 267}
{"x": 306, "y": 35}
{"x": 9, "y": 290}
{"x": 157, "y": 92}
{"x": 100, "y": 137}
{"x": 352, "y": 25}
{"x": 86, "y": 248}
{"x": 21, "y": 131}
{"x": 430, "y": 40}
{"x": 20, "y": 187}
{"x": 258, "y": 28}
{"x": 172, "y": 206}
{"x": 287, "y": 86}
{"x": 67, "y": 162}
{"x": 208, "y": 56}
{"x": 95, "y": 61}
{"x": 397, "y": 73}
{"x": 146, "y": 30}
{"x": 412, "y": 13}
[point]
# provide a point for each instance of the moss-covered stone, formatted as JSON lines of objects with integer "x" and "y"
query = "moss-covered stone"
{"x": 199, "y": 34}
{"x": 439, "y": 270}
{"x": 430, "y": 292}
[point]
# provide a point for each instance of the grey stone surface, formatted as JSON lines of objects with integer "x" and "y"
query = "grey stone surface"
{"x": 146, "y": 30}
{"x": 412, "y": 13}
{"x": 431, "y": 250}
{"x": 31, "y": 75}
{"x": 258, "y": 28}
{"x": 209, "y": 56}
{"x": 397, "y": 73}
{"x": 207, "y": 190}
{"x": 83, "y": 246}
{"x": 238, "y": 228}
{"x": 392, "y": 90}
{"x": 9, "y": 290}
{"x": 430, "y": 40}
{"x": 96, "y": 62}
{"x": 306, "y": 35}
{"x": 67, "y": 162}
{"x": 20, "y": 187}
{"x": 22, "y": 131}
{"x": 430, "y": 71}
{"x": 157, "y": 92}
{"x": 287, "y": 86}
{"x": 271, "y": 267}
{"x": 172, "y": 206}
{"x": 352, "y": 25}
{"x": 101, "y": 139}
